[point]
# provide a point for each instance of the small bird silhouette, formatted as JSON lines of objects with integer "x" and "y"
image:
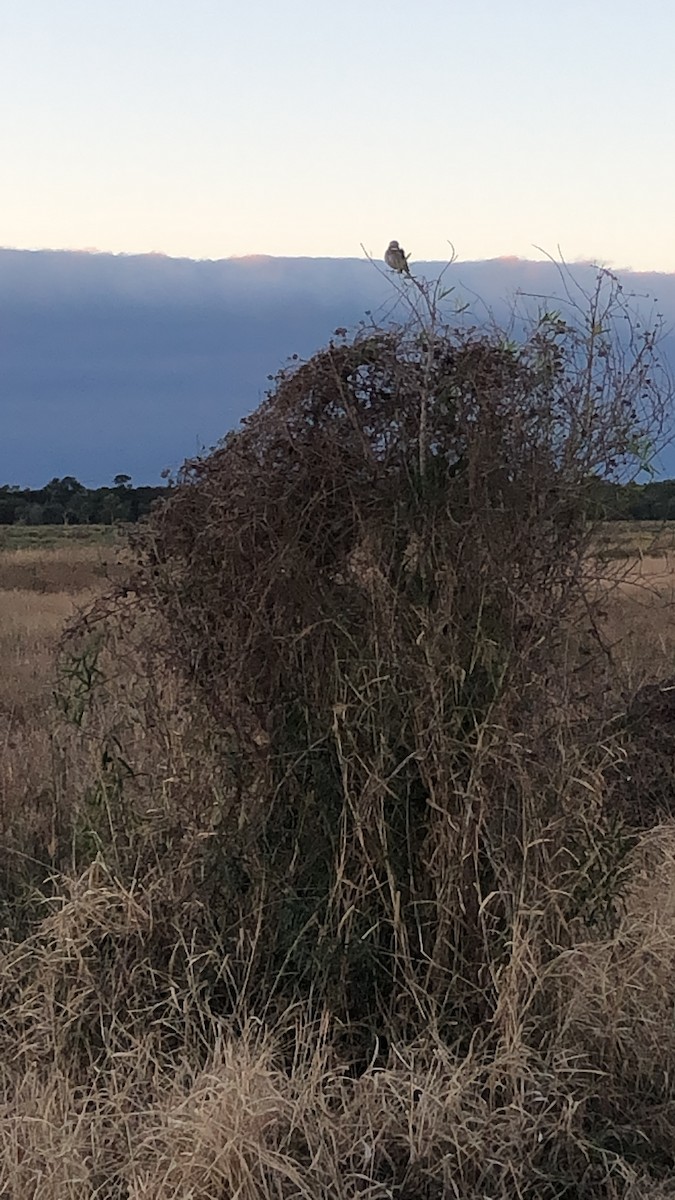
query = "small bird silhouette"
{"x": 396, "y": 258}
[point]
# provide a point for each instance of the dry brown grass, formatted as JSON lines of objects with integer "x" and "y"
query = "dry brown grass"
{"x": 636, "y": 539}
{"x": 32, "y": 618}
{"x": 96, "y": 1102}
{"x": 71, "y": 568}
{"x": 255, "y": 1113}
{"x": 638, "y": 616}
{"x": 30, "y": 623}
{"x": 41, "y": 588}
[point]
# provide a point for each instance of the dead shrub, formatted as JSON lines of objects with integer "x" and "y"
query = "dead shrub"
{"x": 371, "y": 587}
{"x": 340, "y": 902}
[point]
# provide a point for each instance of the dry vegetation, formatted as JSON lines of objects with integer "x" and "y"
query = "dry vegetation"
{"x": 338, "y": 857}
{"x": 232, "y": 1104}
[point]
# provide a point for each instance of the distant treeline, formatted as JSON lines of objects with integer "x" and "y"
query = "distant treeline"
{"x": 68, "y": 502}
{"x": 635, "y": 501}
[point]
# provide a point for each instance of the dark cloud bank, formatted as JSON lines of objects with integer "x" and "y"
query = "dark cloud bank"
{"x": 113, "y": 363}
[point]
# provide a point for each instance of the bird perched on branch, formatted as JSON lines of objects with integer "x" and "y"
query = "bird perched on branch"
{"x": 396, "y": 258}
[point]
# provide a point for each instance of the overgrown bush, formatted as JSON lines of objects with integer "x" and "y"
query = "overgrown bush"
{"x": 337, "y": 890}
{"x": 372, "y": 587}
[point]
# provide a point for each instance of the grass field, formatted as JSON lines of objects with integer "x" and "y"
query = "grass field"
{"x": 46, "y": 575}
{"x": 634, "y": 539}
{"x": 42, "y": 537}
{"x": 223, "y": 1114}
{"x": 43, "y": 580}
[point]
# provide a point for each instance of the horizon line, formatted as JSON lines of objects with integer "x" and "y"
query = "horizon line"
{"x": 254, "y": 258}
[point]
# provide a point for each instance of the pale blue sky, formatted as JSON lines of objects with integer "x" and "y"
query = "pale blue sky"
{"x": 299, "y": 127}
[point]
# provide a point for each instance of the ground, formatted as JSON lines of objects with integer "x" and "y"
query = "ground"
{"x": 238, "y": 1123}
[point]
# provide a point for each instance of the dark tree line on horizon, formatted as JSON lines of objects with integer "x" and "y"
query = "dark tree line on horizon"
{"x": 66, "y": 501}
{"x": 653, "y": 501}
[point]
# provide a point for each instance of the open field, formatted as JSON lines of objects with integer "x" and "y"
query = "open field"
{"x": 41, "y": 587}
{"x": 57, "y": 558}
{"x": 42, "y": 537}
{"x": 48, "y": 572}
{"x": 44, "y": 580}
{"x": 238, "y": 1107}
{"x": 639, "y": 605}
{"x": 634, "y": 539}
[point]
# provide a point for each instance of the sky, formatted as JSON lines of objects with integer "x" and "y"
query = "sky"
{"x": 210, "y": 129}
